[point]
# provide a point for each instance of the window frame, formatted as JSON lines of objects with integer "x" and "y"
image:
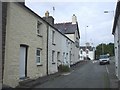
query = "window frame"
{"x": 53, "y": 37}
{"x": 81, "y": 51}
{"x": 87, "y": 51}
{"x": 53, "y": 57}
{"x": 39, "y": 29}
{"x": 38, "y": 56}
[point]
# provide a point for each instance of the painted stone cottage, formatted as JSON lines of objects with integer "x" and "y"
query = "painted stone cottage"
{"x": 33, "y": 47}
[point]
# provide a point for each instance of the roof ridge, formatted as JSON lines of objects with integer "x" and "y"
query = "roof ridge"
{"x": 63, "y": 23}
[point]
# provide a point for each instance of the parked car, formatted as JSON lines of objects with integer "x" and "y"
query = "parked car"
{"x": 104, "y": 59}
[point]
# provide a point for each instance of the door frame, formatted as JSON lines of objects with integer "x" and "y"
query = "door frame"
{"x": 25, "y": 46}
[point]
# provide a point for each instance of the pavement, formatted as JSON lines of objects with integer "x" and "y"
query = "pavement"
{"x": 111, "y": 73}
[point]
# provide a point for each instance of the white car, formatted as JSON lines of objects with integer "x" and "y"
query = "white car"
{"x": 104, "y": 59}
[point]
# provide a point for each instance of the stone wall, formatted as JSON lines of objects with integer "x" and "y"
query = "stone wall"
{"x": 21, "y": 28}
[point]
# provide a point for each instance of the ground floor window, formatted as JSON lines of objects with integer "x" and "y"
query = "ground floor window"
{"x": 53, "y": 55}
{"x": 38, "y": 56}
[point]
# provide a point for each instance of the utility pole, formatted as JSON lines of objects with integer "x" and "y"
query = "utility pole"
{"x": 86, "y": 39}
{"x": 86, "y": 34}
{"x": 102, "y": 49}
{"x": 53, "y": 11}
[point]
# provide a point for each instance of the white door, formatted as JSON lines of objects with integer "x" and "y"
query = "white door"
{"x": 22, "y": 62}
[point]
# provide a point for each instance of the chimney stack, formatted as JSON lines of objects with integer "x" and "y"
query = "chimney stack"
{"x": 48, "y": 18}
{"x": 87, "y": 44}
{"x": 47, "y": 14}
{"x": 74, "y": 19}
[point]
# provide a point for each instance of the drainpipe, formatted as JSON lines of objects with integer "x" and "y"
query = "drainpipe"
{"x": 1, "y": 43}
{"x": 4, "y": 21}
{"x": 47, "y": 47}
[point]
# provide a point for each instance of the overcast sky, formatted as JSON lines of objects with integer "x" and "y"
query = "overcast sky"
{"x": 89, "y": 14}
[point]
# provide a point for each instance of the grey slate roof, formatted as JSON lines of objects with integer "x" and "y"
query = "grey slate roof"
{"x": 90, "y": 48}
{"x": 67, "y": 28}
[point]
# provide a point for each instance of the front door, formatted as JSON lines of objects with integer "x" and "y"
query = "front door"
{"x": 22, "y": 66}
{"x": 58, "y": 59}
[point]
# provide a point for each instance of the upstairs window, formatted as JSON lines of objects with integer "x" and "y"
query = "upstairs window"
{"x": 53, "y": 55}
{"x": 39, "y": 30}
{"x": 53, "y": 37}
{"x": 67, "y": 42}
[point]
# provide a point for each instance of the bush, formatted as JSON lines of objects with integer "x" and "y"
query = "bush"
{"x": 64, "y": 68}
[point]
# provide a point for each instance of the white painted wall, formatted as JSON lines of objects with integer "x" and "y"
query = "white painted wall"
{"x": 71, "y": 36}
{"x": 116, "y": 50}
{"x": 91, "y": 54}
{"x": 118, "y": 25}
{"x": 62, "y": 46}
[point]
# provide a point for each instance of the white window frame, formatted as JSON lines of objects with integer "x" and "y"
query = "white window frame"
{"x": 63, "y": 57}
{"x": 39, "y": 28}
{"x": 53, "y": 37}
{"x": 38, "y": 56}
{"x": 53, "y": 56}
{"x": 67, "y": 42}
{"x": 81, "y": 51}
{"x": 87, "y": 51}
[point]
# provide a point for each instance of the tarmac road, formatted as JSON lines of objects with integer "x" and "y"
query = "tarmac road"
{"x": 91, "y": 75}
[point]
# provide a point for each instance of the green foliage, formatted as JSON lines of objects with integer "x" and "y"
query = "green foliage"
{"x": 104, "y": 49}
{"x": 64, "y": 68}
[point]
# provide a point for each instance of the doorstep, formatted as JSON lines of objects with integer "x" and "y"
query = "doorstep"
{"x": 31, "y": 83}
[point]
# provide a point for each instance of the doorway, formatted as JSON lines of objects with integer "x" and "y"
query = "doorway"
{"x": 23, "y": 62}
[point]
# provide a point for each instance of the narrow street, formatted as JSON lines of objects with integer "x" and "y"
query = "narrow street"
{"x": 91, "y": 75}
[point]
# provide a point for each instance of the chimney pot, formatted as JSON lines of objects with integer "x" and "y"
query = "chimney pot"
{"x": 74, "y": 19}
{"x": 48, "y": 18}
{"x": 47, "y": 14}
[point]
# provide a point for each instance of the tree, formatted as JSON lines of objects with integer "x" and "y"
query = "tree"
{"x": 104, "y": 49}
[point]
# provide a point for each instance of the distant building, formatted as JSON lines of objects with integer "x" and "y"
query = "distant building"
{"x": 116, "y": 33}
{"x": 71, "y": 30}
{"x": 87, "y": 52}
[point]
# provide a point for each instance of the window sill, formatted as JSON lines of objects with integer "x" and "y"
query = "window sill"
{"x": 53, "y": 62}
{"x": 38, "y": 64}
{"x": 53, "y": 44}
{"x": 39, "y": 35}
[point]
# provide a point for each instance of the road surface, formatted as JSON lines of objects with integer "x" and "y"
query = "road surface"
{"x": 91, "y": 75}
